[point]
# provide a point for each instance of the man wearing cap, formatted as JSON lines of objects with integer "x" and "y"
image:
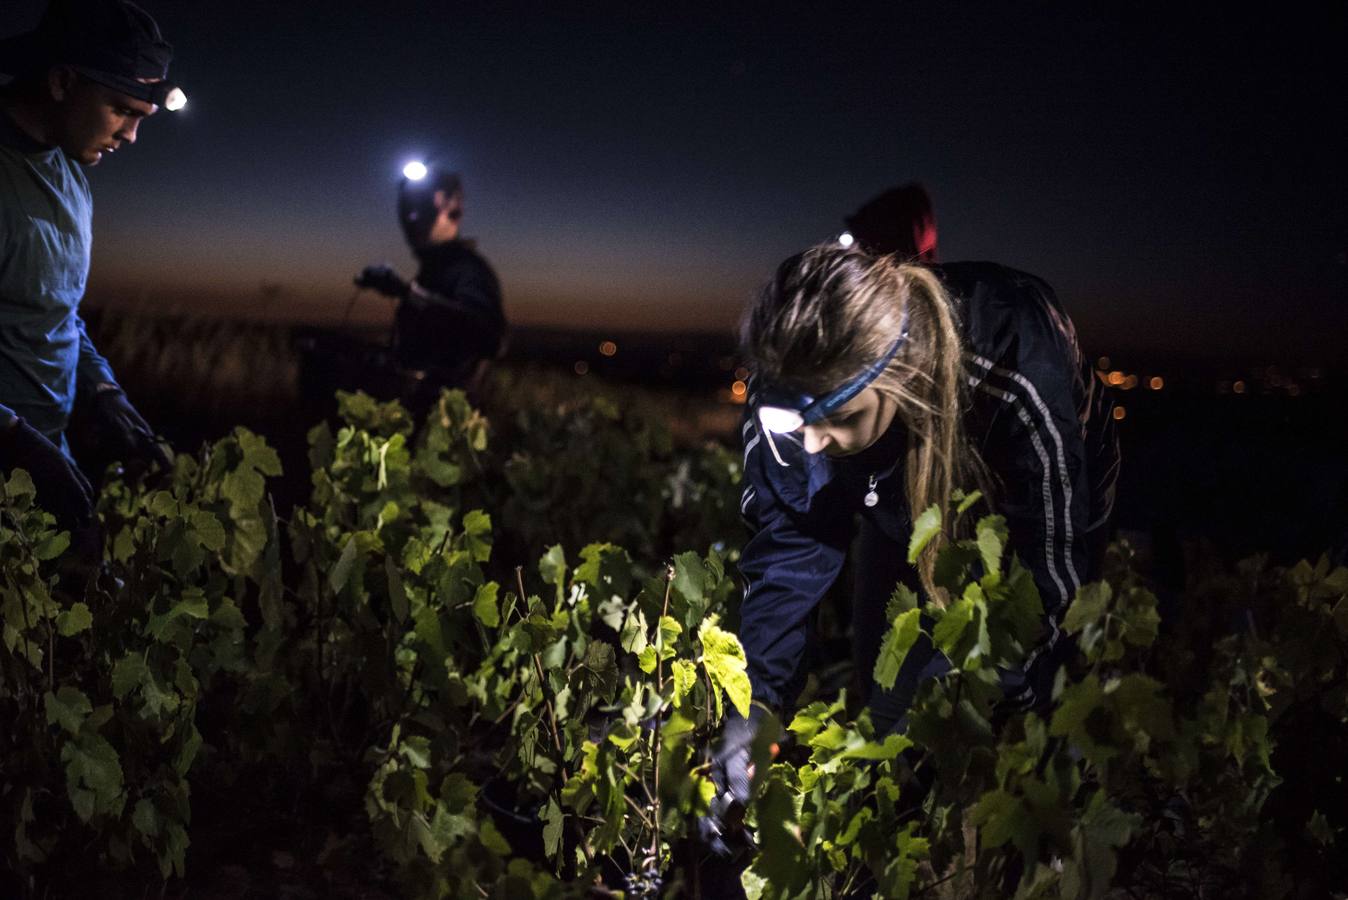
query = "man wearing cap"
{"x": 449, "y": 322}
{"x": 82, "y": 82}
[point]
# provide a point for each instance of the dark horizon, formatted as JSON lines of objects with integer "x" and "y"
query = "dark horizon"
{"x": 1177, "y": 178}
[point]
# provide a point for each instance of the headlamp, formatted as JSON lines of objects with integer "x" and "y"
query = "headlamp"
{"x": 161, "y": 93}
{"x": 415, "y": 170}
{"x": 781, "y": 411}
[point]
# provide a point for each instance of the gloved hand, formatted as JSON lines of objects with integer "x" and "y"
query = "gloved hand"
{"x": 62, "y": 488}
{"x": 383, "y": 279}
{"x": 130, "y": 436}
{"x": 732, "y": 773}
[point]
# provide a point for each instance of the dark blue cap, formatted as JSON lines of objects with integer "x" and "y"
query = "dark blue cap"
{"x": 115, "y": 38}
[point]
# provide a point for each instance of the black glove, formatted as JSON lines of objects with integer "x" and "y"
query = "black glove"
{"x": 384, "y": 280}
{"x": 722, "y": 830}
{"x": 62, "y": 488}
{"x": 129, "y": 435}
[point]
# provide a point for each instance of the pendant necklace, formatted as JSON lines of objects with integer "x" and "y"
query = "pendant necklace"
{"x": 872, "y": 496}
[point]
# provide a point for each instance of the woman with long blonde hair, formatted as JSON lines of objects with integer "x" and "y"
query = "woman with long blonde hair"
{"x": 879, "y": 388}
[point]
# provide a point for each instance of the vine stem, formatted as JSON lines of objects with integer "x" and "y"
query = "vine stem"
{"x": 547, "y": 701}
{"x": 660, "y": 687}
{"x": 543, "y": 681}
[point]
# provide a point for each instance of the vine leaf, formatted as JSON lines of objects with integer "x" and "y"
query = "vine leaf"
{"x": 723, "y": 659}
{"x": 898, "y": 641}
{"x": 927, "y": 526}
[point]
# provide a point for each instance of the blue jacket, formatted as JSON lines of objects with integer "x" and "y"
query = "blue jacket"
{"x": 1037, "y": 416}
{"x": 45, "y": 213}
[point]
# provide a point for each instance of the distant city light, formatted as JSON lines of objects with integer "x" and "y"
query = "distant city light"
{"x": 1115, "y": 378}
{"x": 608, "y": 348}
{"x": 739, "y": 389}
{"x": 1156, "y": 383}
{"x": 742, "y": 374}
{"x": 1129, "y": 382}
{"x": 1238, "y": 387}
{"x": 1294, "y": 390}
{"x": 581, "y": 367}
{"x": 415, "y": 170}
{"x": 1120, "y": 412}
{"x": 846, "y": 240}
{"x": 1103, "y": 362}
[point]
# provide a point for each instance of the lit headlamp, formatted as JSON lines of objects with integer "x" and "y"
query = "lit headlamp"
{"x": 161, "y": 93}
{"x": 782, "y": 412}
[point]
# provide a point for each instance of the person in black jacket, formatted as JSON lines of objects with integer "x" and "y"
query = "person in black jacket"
{"x": 449, "y": 322}
{"x": 899, "y": 221}
{"x": 879, "y": 388}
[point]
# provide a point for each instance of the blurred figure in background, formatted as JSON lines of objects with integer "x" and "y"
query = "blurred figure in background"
{"x": 83, "y": 82}
{"x": 449, "y": 323}
{"x": 898, "y": 222}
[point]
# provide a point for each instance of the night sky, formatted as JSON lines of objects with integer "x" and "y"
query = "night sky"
{"x": 1177, "y": 175}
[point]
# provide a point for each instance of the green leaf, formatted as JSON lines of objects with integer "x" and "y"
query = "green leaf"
{"x": 685, "y": 676}
{"x": 397, "y": 593}
{"x": 491, "y": 838}
{"x": 145, "y": 818}
{"x": 1072, "y": 718}
{"x": 257, "y": 453}
{"x": 243, "y": 488}
{"x": 20, "y": 484}
{"x": 927, "y": 526}
{"x": 897, "y": 642}
{"x": 992, "y": 534}
{"x": 632, "y": 637}
{"x": 127, "y": 674}
{"x": 163, "y": 504}
{"x": 485, "y": 607}
{"x": 208, "y": 530}
{"x": 690, "y": 578}
{"x": 1002, "y": 817}
{"x": 966, "y": 501}
{"x": 193, "y": 605}
{"x": 646, "y": 660}
{"x": 1142, "y": 706}
{"x": 552, "y": 568}
{"x": 668, "y": 636}
{"x": 340, "y": 572}
{"x": 891, "y": 747}
{"x": 51, "y": 546}
{"x": 74, "y": 620}
{"x": 606, "y": 568}
{"x": 1089, "y": 605}
{"x": 903, "y": 599}
{"x": 948, "y": 632}
{"x": 477, "y": 534}
{"x": 553, "y": 818}
{"x": 68, "y": 707}
{"x": 723, "y": 659}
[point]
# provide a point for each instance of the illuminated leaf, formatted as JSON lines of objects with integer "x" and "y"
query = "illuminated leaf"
{"x": 723, "y": 659}
{"x": 74, "y": 620}
{"x": 485, "y": 607}
{"x": 894, "y": 650}
{"x": 927, "y": 526}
